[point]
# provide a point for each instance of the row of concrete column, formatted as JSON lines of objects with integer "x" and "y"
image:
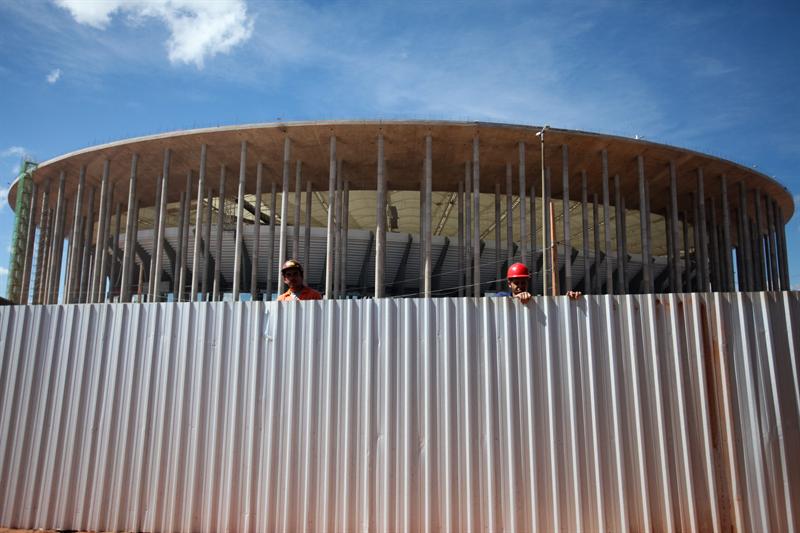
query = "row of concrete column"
{"x": 742, "y": 248}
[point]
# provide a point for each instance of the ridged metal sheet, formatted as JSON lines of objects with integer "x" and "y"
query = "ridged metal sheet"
{"x": 662, "y": 412}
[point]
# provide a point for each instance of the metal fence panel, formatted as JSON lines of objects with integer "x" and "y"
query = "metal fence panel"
{"x": 663, "y": 412}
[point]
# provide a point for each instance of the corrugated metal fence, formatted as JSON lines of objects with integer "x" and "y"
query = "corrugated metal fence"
{"x": 672, "y": 412}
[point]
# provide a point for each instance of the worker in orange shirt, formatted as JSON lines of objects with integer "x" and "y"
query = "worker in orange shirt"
{"x": 518, "y": 277}
{"x": 292, "y": 272}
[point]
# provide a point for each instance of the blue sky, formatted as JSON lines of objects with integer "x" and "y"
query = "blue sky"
{"x": 721, "y": 78}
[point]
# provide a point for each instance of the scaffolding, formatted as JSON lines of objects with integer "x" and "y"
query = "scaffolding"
{"x": 19, "y": 238}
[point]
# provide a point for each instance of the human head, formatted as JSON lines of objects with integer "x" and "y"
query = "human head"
{"x": 518, "y": 277}
{"x": 292, "y": 272}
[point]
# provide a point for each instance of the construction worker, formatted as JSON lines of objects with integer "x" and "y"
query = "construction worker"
{"x": 518, "y": 278}
{"x": 292, "y": 272}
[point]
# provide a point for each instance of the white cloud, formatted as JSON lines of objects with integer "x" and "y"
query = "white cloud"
{"x": 53, "y": 76}
{"x": 3, "y": 197}
{"x": 199, "y": 29}
{"x": 3, "y": 271}
{"x": 15, "y": 151}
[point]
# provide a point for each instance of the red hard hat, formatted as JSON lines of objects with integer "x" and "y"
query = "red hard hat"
{"x": 518, "y": 270}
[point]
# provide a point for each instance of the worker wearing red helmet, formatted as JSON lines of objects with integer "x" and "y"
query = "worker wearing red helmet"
{"x": 518, "y": 279}
{"x": 292, "y": 272}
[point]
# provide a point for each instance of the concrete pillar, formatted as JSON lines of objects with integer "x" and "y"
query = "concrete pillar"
{"x": 670, "y": 248}
{"x": 60, "y": 253}
{"x": 345, "y": 228}
{"x": 176, "y": 266}
{"x": 701, "y": 227}
{"x": 698, "y": 281}
{"x": 587, "y": 287}
{"x": 256, "y": 235}
{"x": 338, "y": 215}
{"x": 74, "y": 252}
{"x": 644, "y": 215}
{"x": 468, "y": 272}
{"x": 784, "y": 254}
{"x": 271, "y": 242}
{"x": 748, "y": 256}
{"x": 380, "y": 222}
{"x": 761, "y": 258}
{"x": 102, "y": 254}
{"x": 307, "y": 240}
{"x": 649, "y": 232}
{"x": 523, "y": 222}
{"x": 476, "y": 209}
{"x": 533, "y": 240}
{"x": 156, "y": 219}
{"x": 185, "y": 224}
{"x": 207, "y": 248}
{"x": 596, "y": 225}
{"x": 545, "y": 216}
{"x": 716, "y": 266}
{"x": 55, "y": 246}
{"x": 426, "y": 252}
{"x": 461, "y": 238}
{"x": 298, "y": 191}
{"x": 162, "y": 228}
{"x": 773, "y": 252}
{"x": 509, "y": 214}
{"x": 39, "y": 271}
{"x": 87, "y": 261}
{"x": 676, "y": 238}
{"x": 114, "y": 254}
{"x": 686, "y": 286}
{"x": 549, "y": 252}
{"x": 607, "y": 223}
{"x": 24, "y": 295}
{"x": 217, "y": 290}
{"x": 619, "y": 214}
{"x": 497, "y": 261}
{"x": 237, "y": 254}
{"x": 128, "y": 251}
{"x": 565, "y": 215}
{"x": 726, "y": 235}
{"x": 624, "y": 223}
{"x": 198, "y": 225}
{"x": 44, "y": 243}
{"x": 331, "y": 196}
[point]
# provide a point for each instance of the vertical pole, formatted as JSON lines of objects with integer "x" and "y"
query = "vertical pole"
{"x": 162, "y": 228}
{"x": 784, "y": 256}
{"x": 41, "y": 247}
{"x": 773, "y": 252}
{"x": 115, "y": 254}
{"x": 509, "y": 214}
{"x": 497, "y": 265}
{"x": 217, "y": 290}
{"x": 380, "y": 222}
{"x": 72, "y": 268}
{"x": 60, "y": 252}
{"x": 30, "y": 240}
{"x": 428, "y": 267}
{"x": 44, "y": 243}
{"x": 156, "y": 220}
{"x": 587, "y": 287}
{"x": 55, "y": 246}
{"x": 133, "y": 219}
{"x": 461, "y": 238}
{"x": 186, "y": 224}
{"x": 331, "y": 206}
{"x": 198, "y": 225}
{"x": 345, "y": 228}
{"x": 649, "y": 232}
{"x": 476, "y": 209}
{"x": 644, "y": 214}
{"x": 715, "y": 257}
{"x": 468, "y": 226}
{"x": 103, "y": 252}
{"x": 748, "y": 258}
{"x": 307, "y": 240}
{"x": 701, "y": 225}
{"x": 670, "y": 249}
{"x": 523, "y": 228}
{"x": 86, "y": 263}
{"x": 128, "y": 252}
{"x": 618, "y": 226}
{"x": 549, "y": 259}
{"x": 545, "y": 216}
{"x": 676, "y": 239}
{"x": 687, "y": 283}
{"x": 287, "y": 148}
{"x": 555, "y": 291}
{"x": 237, "y": 254}
{"x": 337, "y": 258}
{"x": 271, "y": 241}
{"x": 176, "y": 266}
{"x": 297, "y": 199}
{"x": 565, "y": 214}
{"x": 698, "y": 286}
{"x": 596, "y": 223}
{"x": 256, "y": 235}
{"x": 207, "y": 248}
{"x": 762, "y": 282}
{"x": 726, "y": 235}
{"x": 533, "y": 239}
{"x": 607, "y": 224}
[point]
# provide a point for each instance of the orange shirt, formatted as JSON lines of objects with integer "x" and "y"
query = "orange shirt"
{"x": 306, "y": 294}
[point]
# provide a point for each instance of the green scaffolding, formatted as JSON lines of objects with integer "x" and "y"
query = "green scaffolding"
{"x": 19, "y": 239}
